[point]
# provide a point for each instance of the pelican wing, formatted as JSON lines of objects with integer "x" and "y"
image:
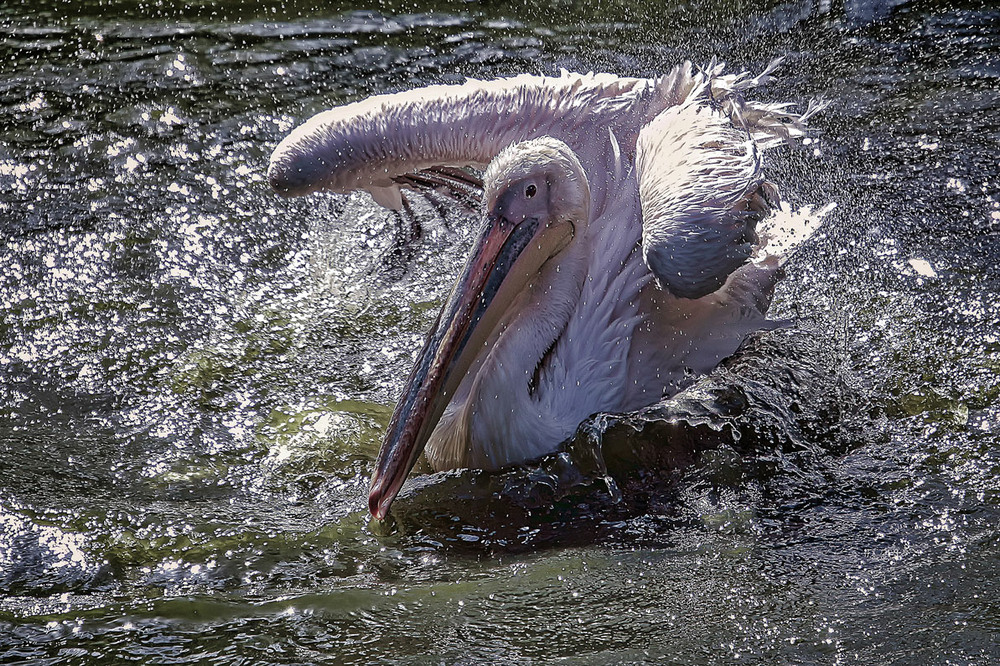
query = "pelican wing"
{"x": 422, "y": 139}
{"x": 701, "y": 183}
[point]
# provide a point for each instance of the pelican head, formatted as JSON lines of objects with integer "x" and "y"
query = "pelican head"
{"x": 536, "y": 201}
{"x": 540, "y": 179}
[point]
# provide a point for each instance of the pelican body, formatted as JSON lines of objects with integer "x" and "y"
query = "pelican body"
{"x": 628, "y": 244}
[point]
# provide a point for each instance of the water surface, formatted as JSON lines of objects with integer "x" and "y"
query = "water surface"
{"x": 195, "y": 373}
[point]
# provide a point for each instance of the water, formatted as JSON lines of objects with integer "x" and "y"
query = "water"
{"x": 194, "y": 373}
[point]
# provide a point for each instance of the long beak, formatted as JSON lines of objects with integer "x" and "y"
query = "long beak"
{"x": 466, "y": 321}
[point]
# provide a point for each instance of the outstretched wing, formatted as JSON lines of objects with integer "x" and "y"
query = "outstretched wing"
{"x": 422, "y": 139}
{"x": 701, "y": 182}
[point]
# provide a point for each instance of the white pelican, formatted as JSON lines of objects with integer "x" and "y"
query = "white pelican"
{"x": 619, "y": 257}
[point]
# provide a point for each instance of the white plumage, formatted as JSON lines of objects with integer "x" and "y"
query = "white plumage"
{"x": 621, "y": 254}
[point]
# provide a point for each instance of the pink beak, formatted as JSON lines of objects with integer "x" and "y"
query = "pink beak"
{"x": 447, "y": 355}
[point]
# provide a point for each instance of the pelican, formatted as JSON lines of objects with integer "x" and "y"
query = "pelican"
{"x": 628, "y": 245}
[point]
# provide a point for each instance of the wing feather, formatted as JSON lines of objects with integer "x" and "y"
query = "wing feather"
{"x": 458, "y": 186}
{"x": 701, "y": 182}
{"x": 423, "y": 137}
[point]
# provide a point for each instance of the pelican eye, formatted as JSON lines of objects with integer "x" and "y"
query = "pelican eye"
{"x": 530, "y": 190}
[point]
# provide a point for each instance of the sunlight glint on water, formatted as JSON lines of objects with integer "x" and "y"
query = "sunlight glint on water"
{"x": 195, "y": 374}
